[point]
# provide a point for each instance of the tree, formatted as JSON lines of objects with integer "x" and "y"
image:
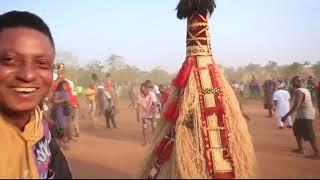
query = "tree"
{"x": 159, "y": 75}
{"x": 288, "y": 71}
{"x": 115, "y": 62}
{"x": 67, "y": 58}
{"x": 71, "y": 64}
{"x": 271, "y": 68}
{"x": 306, "y": 63}
{"x": 252, "y": 67}
{"x": 95, "y": 66}
{"x": 316, "y": 69}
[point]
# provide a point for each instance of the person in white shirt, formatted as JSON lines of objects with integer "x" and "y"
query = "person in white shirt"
{"x": 146, "y": 111}
{"x": 281, "y": 99}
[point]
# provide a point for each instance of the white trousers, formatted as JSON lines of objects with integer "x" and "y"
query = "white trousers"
{"x": 281, "y": 124}
{"x": 92, "y": 111}
{"x": 75, "y": 119}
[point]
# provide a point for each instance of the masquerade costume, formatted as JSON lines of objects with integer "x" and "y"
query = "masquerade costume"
{"x": 202, "y": 133}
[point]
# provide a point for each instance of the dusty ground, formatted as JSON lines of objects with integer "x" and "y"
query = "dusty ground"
{"x": 117, "y": 153}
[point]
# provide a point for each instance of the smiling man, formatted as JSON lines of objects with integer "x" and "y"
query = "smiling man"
{"x": 26, "y": 70}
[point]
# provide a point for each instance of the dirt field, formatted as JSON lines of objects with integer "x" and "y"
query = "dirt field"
{"x": 117, "y": 153}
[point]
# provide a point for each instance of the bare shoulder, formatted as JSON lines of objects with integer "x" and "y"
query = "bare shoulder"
{"x": 298, "y": 94}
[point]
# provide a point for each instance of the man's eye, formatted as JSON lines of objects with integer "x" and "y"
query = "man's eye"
{"x": 41, "y": 62}
{"x": 44, "y": 63}
{"x": 7, "y": 60}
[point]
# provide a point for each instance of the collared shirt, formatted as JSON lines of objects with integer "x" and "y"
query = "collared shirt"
{"x": 283, "y": 106}
{"x": 147, "y": 102}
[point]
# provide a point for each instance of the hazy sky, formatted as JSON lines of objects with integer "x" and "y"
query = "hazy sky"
{"x": 148, "y": 34}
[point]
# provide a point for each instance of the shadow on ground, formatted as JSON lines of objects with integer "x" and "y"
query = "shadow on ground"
{"x": 87, "y": 170}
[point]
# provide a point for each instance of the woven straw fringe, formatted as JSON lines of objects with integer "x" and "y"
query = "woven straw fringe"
{"x": 240, "y": 144}
{"x": 187, "y": 159}
{"x": 161, "y": 131}
{"x": 189, "y": 150}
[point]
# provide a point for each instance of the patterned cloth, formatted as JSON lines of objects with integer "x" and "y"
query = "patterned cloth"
{"x": 59, "y": 117}
{"x": 31, "y": 154}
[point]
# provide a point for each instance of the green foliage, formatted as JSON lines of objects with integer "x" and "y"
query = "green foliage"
{"x": 120, "y": 71}
{"x": 272, "y": 70}
{"x": 316, "y": 69}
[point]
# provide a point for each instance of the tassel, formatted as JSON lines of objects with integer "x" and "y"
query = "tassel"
{"x": 170, "y": 112}
{"x": 153, "y": 173}
{"x": 161, "y": 145}
{"x": 163, "y": 153}
{"x": 167, "y": 151}
{"x": 175, "y": 114}
{"x": 182, "y": 77}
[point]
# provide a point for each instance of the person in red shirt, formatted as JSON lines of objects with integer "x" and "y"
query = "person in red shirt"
{"x": 164, "y": 94}
{"x": 109, "y": 85}
{"x": 110, "y": 88}
{"x": 56, "y": 82}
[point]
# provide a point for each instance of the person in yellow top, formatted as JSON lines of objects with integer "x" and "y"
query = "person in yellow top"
{"x": 26, "y": 71}
{"x": 91, "y": 97}
{"x": 91, "y": 94}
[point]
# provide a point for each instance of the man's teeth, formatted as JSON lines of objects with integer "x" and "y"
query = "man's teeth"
{"x": 27, "y": 90}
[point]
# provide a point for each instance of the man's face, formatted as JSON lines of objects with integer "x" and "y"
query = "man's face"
{"x": 296, "y": 83}
{"x": 65, "y": 86}
{"x": 144, "y": 90}
{"x": 26, "y": 68}
{"x": 61, "y": 77}
{"x": 161, "y": 89}
{"x": 149, "y": 85}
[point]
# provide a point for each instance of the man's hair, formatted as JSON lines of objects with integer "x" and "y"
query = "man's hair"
{"x": 161, "y": 86}
{"x": 108, "y": 75}
{"x": 294, "y": 79}
{"x": 60, "y": 85}
{"x": 24, "y": 19}
{"x": 147, "y": 81}
{"x": 143, "y": 85}
{"x": 94, "y": 76}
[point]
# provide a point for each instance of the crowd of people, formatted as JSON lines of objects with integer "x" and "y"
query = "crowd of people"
{"x": 285, "y": 97}
{"x": 255, "y": 89}
{"x": 62, "y": 105}
{"x": 26, "y": 91}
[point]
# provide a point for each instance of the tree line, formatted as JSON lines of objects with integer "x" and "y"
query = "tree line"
{"x": 272, "y": 70}
{"x": 122, "y": 72}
